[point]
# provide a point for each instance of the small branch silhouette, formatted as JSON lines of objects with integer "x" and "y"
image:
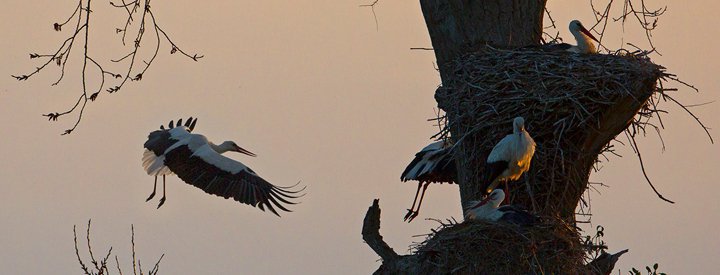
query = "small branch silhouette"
{"x": 81, "y": 34}
{"x": 372, "y": 8}
{"x": 101, "y": 267}
{"x": 645, "y": 17}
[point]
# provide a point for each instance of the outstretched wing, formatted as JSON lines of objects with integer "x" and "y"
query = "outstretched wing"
{"x": 196, "y": 163}
{"x": 159, "y": 141}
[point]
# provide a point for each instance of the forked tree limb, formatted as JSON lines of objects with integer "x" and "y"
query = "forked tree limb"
{"x": 371, "y": 234}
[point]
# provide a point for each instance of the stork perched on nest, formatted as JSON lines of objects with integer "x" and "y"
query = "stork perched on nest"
{"x": 200, "y": 162}
{"x": 583, "y": 38}
{"x": 433, "y": 164}
{"x": 489, "y": 209}
{"x": 510, "y": 157}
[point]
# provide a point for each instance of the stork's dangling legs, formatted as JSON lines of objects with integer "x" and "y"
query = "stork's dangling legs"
{"x": 410, "y": 211}
{"x": 412, "y": 214}
{"x": 162, "y": 200}
{"x": 153, "y": 192}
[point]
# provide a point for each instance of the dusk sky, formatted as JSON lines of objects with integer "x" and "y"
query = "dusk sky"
{"x": 322, "y": 97}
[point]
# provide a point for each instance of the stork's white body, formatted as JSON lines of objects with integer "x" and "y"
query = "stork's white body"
{"x": 511, "y": 157}
{"x": 489, "y": 209}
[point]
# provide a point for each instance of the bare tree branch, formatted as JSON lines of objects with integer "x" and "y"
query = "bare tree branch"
{"x": 82, "y": 14}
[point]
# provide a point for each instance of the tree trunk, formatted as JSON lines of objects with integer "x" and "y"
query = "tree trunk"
{"x": 459, "y": 27}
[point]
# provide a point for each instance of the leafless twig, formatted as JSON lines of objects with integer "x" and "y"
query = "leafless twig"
{"x": 372, "y": 7}
{"x": 100, "y": 267}
{"x": 81, "y": 34}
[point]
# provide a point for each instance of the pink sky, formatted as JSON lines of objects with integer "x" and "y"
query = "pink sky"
{"x": 321, "y": 96}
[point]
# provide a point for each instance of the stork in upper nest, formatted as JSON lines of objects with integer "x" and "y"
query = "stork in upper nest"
{"x": 200, "y": 162}
{"x": 582, "y": 36}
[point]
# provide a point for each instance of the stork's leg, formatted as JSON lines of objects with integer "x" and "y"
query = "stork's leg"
{"x": 417, "y": 211}
{"x": 412, "y": 208}
{"x": 507, "y": 193}
{"x": 162, "y": 200}
{"x": 153, "y": 192}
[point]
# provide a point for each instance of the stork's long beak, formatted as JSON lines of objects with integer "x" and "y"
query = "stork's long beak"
{"x": 481, "y": 203}
{"x": 242, "y": 150}
{"x": 586, "y": 32}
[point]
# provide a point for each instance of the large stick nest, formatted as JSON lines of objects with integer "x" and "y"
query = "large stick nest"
{"x": 573, "y": 105}
{"x": 479, "y": 247}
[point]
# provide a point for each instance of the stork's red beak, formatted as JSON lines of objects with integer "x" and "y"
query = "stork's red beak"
{"x": 482, "y": 202}
{"x": 242, "y": 150}
{"x": 586, "y": 32}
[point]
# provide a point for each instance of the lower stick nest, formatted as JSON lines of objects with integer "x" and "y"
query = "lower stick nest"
{"x": 478, "y": 247}
{"x": 573, "y": 106}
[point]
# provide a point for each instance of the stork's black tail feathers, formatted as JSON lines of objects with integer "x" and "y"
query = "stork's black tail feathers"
{"x": 189, "y": 123}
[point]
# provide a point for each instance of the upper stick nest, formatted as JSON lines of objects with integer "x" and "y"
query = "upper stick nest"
{"x": 573, "y": 105}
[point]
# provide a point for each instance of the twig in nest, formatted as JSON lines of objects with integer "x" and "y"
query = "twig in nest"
{"x": 642, "y": 167}
{"x": 705, "y": 128}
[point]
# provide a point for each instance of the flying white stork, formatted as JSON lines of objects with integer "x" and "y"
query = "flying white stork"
{"x": 434, "y": 163}
{"x": 489, "y": 209}
{"x": 510, "y": 158}
{"x": 200, "y": 162}
{"x": 583, "y": 38}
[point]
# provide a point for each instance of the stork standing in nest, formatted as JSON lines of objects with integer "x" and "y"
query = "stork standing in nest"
{"x": 433, "y": 164}
{"x": 489, "y": 209}
{"x": 510, "y": 158}
{"x": 583, "y": 37}
{"x": 200, "y": 162}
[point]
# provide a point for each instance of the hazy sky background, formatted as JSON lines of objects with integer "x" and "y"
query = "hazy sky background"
{"x": 321, "y": 96}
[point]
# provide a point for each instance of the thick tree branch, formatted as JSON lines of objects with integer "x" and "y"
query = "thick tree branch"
{"x": 371, "y": 234}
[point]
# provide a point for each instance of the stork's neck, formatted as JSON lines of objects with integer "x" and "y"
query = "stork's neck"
{"x": 584, "y": 43}
{"x": 222, "y": 148}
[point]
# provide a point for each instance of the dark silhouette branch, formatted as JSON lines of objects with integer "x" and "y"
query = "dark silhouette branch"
{"x": 371, "y": 234}
{"x": 82, "y": 13}
{"x": 101, "y": 267}
{"x": 372, "y": 7}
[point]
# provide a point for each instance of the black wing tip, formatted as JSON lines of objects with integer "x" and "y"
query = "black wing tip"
{"x": 189, "y": 123}
{"x": 192, "y": 124}
{"x": 286, "y": 189}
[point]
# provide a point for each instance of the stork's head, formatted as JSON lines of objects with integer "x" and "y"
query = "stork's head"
{"x": 518, "y": 125}
{"x": 495, "y": 198}
{"x": 231, "y": 146}
{"x": 577, "y": 27}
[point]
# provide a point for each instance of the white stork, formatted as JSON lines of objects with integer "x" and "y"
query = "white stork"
{"x": 489, "y": 209}
{"x": 200, "y": 162}
{"x": 583, "y": 38}
{"x": 510, "y": 158}
{"x": 434, "y": 163}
